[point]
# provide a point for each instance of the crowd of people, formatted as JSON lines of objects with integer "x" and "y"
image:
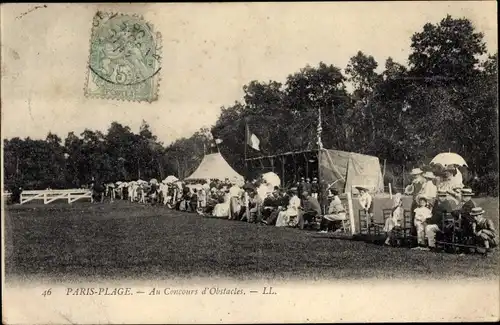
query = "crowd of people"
{"x": 441, "y": 205}
{"x": 442, "y": 208}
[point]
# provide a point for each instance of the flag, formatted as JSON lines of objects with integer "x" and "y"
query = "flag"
{"x": 252, "y": 139}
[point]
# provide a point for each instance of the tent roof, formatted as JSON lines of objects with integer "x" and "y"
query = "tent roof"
{"x": 214, "y": 166}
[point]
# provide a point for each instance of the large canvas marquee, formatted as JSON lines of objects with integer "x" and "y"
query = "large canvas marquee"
{"x": 214, "y": 166}
{"x": 343, "y": 170}
{"x": 348, "y": 169}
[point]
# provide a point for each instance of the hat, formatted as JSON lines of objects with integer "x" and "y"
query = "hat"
{"x": 429, "y": 175}
{"x": 361, "y": 188}
{"x": 293, "y": 189}
{"x": 467, "y": 192}
{"x": 449, "y": 168}
{"x": 421, "y": 197}
{"x": 315, "y": 179}
{"x": 442, "y": 193}
{"x": 416, "y": 171}
{"x": 476, "y": 211}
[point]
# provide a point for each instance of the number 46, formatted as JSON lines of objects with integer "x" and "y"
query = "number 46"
{"x": 47, "y": 293}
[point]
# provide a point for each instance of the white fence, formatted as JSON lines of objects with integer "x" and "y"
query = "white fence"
{"x": 49, "y": 196}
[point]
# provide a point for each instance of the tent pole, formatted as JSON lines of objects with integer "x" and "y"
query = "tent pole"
{"x": 246, "y": 144}
{"x": 283, "y": 171}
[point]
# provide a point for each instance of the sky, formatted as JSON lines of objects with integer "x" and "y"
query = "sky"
{"x": 210, "y": 51}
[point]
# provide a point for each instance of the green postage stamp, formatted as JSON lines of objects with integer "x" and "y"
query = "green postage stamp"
{"x": 125, "y": 58}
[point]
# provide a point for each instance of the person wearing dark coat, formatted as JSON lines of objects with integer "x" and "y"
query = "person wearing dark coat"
{"x": 434, "y": 225}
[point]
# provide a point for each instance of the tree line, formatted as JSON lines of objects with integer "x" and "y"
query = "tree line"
{"x": 444, "y": 99}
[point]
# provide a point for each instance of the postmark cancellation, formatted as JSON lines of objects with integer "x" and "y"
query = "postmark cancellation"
{"x": 125, "y": 58}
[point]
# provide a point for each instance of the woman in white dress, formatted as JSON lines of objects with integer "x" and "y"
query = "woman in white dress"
{"x": 221, "y": 210}
{"x": 289, "y": 217}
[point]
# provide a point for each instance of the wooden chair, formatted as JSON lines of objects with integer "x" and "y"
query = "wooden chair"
{"x": 366, "y": 226}
{"x": 364, "y": 223}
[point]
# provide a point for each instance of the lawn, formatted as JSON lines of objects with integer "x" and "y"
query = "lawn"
{"x": 125, "y": 240}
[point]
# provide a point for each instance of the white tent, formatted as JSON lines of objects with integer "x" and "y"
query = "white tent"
{"x": 214, "y": 166}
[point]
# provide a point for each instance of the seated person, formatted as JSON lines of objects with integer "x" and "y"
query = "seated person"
{"x": 422, "y": 213}
{"x": 282, "y": 203}
{"x": 467, "y": 205}
{"x": 193, "y": 203}
{"x": 270, "y": 204}
{"x": 336, "y": 212}
{"x": 394, "y": 221}
{"x": 221, "y": 210}
{"x": 255, "y": 208}
{"x": 366, "y": 202}
{"x": 289, "y": 217}
{"x": 484, "y": 230}
{"x": 434, "y": 224}
{"x": 311, "y": 210}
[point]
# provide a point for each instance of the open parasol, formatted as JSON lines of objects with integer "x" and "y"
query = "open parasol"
{"x": 272, "y": 179}
{"x": 449, "y": 158}
{"x": 170, "y": 179}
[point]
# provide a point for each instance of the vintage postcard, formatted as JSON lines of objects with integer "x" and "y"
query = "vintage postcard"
{"x": 249, "y": 162}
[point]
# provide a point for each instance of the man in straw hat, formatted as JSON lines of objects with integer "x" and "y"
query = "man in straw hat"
{"x": 414, "y": 190}
{"x": 467, "y": 205}
{"x": 416, "y": 184}
{"x": 440, "y": 209}
{"x": 483, "y": 229}
{"x": 429, "y": 189}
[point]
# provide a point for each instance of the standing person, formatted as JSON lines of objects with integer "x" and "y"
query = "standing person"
{"x": 315, "y": 188}
{"x": 193, "y": 203}
{"x": 310, "y": 211}
{"x": 202, "y": 200}
{"x": 308, "y": 186}
{"x": 235, "y": 202}
{"x": 429, "y": 189}
{"x": 302, "y": 186}
{"x": 366, "y": 202}
{"x": 414, "y": 189}
{"x": 434, "y": 224}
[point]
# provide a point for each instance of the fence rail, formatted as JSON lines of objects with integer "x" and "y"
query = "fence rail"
{"x": 48, "y": 196}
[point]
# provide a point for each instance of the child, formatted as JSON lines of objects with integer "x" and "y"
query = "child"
{"x": 422, "y": 213}
{"x": 483, "y": 229}
{"x": 366, "y": 202}
{"x": 395, "y": 219}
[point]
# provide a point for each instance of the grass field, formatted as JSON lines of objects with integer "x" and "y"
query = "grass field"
{"x": 124, "y": 240}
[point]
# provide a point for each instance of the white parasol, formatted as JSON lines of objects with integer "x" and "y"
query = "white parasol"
{"x": 153, "y": 181}
{"x": 272, "y": 179}
{"x": 449, "y": 158}
{"x": 119, "y": 183}
{"x": 170, "y": 179}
